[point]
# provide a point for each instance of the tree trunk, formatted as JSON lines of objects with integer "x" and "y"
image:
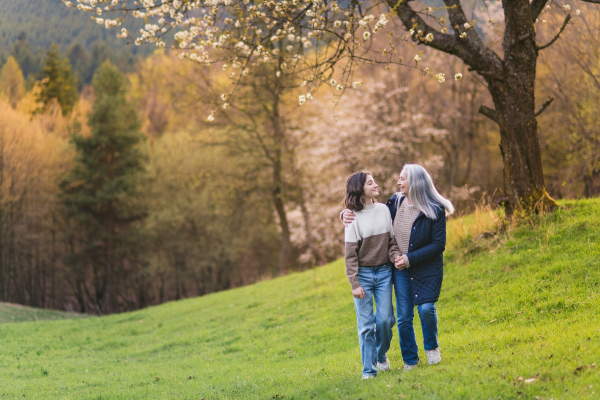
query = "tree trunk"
{"x": 109, "y": 255}
{"x": 514, "y": 100}
{"x": 314, "y": 248}
{"x": 286, "y": 245}
{"x": 511, "y": 82}
{"x": 277, "y": 191}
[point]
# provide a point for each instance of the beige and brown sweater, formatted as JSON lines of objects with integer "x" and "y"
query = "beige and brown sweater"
{"x": 369, "y": 241}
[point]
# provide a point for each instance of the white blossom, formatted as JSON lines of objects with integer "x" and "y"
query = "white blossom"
{"x": 302, "y": 99}
{"x": 458, "y": 76}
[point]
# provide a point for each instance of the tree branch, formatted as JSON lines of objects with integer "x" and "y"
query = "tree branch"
{"x": 591, "y": 1}
{"x": 544, "y": 106}
{"x": 536, "y": 7}
{"x": 555, "y": 38}
{"x": 489, "y": 74}
{"x": 471, "y": 49}
{"x": 490, "y": 113}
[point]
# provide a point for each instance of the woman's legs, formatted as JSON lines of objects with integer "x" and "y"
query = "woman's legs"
{"x": 428, "y": 315}
{"x": 405, "y": 312}
{"x": 374, "y": 341}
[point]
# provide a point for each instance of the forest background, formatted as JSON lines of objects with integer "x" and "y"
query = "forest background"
{"x": 212, "y": 205}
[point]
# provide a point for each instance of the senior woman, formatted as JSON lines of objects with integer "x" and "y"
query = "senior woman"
{"x": 419, "y": 214}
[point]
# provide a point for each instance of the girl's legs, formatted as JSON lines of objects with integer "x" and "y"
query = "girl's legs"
{"x": 365, "y": 322}
{"x": 374, "y": 328}
{"x": 384, "y": 311}
{"x": 405, "y": 312}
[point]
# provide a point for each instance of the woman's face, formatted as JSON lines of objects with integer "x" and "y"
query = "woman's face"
{"x": 370, "y": 189}
{"x": 403, "y": 183}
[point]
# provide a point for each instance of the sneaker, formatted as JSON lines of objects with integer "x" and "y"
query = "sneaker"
{"x": 384, "y": 366}
{"x": 433, "y": 356}
{"x": 408, "y": 367}
{"x": 368, "y": 376}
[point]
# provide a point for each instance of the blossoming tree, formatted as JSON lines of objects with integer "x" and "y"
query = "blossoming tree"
{"x": 311, "y": 39}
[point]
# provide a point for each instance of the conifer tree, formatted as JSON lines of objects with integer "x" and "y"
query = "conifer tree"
{"x": 100, "y": 191}
{"x": 59, "y": 81}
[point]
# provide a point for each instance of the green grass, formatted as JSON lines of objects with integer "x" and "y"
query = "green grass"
{"x": 18, "y": 313}
{"x": 519, "y": 318}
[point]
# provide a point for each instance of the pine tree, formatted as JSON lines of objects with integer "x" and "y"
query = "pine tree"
{"x": 59, "y": 82}
{"x": 100, "y": 191}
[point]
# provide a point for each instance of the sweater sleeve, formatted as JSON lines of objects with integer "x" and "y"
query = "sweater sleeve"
{"x": 393, "y": 249}
{"x": 351, "y": 254}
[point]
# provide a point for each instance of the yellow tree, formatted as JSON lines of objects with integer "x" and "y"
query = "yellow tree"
{"x": 12, "y": 83}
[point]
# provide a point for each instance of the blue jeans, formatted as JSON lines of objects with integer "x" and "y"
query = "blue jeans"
{"x": 374, "y": 328}
{"x": 405, "y": 309}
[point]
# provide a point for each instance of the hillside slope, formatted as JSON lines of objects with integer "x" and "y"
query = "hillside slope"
{"x": 519, "y": 318}
{"x": 50, "y": 21}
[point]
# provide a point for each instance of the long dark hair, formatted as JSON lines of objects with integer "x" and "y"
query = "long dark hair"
{"x": 354, "y": 198}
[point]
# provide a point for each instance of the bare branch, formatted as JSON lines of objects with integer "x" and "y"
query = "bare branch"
{"x": 555, "y": 38}
{"x": 536, "y": 7}
{"x": 544, "y": 106}
{"x": 470, "y": 49}
{"x": 591, "y": 1}
{"x": 490, "y": 113}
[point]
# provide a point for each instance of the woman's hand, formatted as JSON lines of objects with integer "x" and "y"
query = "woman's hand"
{"x": 347, "y": 217}
{"x": 399, "y": 263}
{"x": 358, "y": 293}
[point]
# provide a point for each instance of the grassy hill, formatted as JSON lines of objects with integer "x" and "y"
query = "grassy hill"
{"x": 519, "y": 318}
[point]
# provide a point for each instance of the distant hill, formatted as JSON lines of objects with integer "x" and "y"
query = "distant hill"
{"x": 29, "y": 27}
{"x": 50, "y": 21}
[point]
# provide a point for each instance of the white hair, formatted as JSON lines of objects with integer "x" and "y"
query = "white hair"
{"x": 423, "y": 194}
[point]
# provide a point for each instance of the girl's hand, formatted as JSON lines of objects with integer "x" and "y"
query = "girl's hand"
{"x": 358, "y": 293}
{"x": 399, "y": 263}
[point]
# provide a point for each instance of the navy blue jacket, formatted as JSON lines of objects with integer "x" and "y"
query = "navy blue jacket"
{"x": 425, "y": 253}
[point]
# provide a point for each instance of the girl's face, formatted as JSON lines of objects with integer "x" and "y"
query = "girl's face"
{"x": 370, "y": 189}
{"x": 403, "y": 183}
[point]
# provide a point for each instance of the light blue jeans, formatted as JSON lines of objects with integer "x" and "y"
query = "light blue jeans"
{"x": 405, "y": 309}
{"x": 374, "y": 328}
